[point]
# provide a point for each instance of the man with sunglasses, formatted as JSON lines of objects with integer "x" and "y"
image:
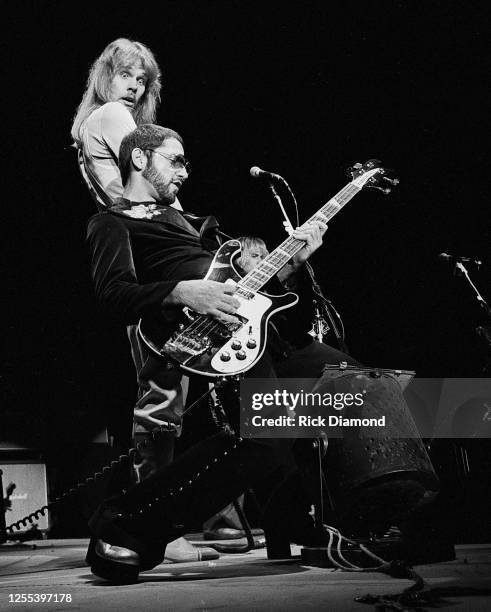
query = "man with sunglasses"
{"x": 149, "y": 259}
{"x": 172, "y": 253}
{"x": 137, "y": 246}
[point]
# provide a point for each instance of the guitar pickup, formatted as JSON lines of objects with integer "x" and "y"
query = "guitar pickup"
{"x": 226, "y": 329}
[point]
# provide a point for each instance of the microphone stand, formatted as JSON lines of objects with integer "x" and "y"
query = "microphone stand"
{"x": 326, "y": 306}
{"x": 318, "y": 483}
{"x": 482, "y": 330}
{"x": 287, "y": 223}
{"x": 482, "y": 302}
{"x": 3, "y": 509}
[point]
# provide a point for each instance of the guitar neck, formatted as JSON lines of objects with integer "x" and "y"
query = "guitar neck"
{"x": 277, "y": 259}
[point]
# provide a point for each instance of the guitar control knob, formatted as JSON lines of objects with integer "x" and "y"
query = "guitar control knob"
{"x": 241, "y": 355}
{"x": 251, "y": 343}
{"x": 236, "y": 345}
{"x": 225, "y": 356}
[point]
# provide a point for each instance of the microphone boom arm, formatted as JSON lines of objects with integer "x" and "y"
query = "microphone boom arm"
{"x": 460, "y": 266}
{"x": 287, "y": 223}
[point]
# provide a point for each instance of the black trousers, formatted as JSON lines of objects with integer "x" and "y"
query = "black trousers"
{"x": 206, "y": 477}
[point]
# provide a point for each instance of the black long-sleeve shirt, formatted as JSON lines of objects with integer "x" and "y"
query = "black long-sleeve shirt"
{"x": 137, "y": 262}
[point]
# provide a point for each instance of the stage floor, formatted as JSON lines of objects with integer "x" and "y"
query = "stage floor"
{"x": 247, "y": 582}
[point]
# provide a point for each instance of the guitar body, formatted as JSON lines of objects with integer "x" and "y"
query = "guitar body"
{"x": 204, "y": 346}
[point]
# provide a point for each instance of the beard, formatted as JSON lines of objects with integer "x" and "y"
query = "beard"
{"x": 162, "y": 188}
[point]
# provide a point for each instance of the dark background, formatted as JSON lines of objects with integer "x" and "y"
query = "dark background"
{"x": 304, "y": 89}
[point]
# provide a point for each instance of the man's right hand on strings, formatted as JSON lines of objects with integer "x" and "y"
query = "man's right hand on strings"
{"x": 206, "y": 297}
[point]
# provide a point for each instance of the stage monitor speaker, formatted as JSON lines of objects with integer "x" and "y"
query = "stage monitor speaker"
{"x": 31, "y": 491}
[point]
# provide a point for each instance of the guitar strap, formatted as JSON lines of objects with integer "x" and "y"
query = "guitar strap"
{"x": 211, "y": 236}
{"x": 100, "y": 197}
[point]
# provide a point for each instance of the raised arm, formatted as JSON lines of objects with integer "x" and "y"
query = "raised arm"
{"x": 312, "y": 234}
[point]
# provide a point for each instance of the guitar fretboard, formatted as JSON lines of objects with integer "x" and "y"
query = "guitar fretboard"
{"x": 278, "y": 258}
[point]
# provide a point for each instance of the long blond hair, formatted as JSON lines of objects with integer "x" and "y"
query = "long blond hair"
{"x": 250, "y": 244}
{"x": 117, "y": 55}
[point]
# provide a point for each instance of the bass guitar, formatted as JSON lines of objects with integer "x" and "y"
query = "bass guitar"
{"x": 205, "y": 346}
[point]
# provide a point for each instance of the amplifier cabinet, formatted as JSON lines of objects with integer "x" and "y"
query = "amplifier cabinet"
{"x": 31, "y": 491}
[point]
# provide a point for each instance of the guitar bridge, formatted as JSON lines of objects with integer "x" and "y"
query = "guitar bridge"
{"x": 187, "y": 345}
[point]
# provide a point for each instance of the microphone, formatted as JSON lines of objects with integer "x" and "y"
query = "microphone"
{"x": 457, "y": 258}
{"x": 256, "y": 172}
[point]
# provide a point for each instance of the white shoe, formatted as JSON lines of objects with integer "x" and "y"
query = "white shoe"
{"x": 182, "y": 551}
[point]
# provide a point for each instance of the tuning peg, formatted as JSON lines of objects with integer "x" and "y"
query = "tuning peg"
{"x": 384, "y": 190}
{"x": 391, "y": 181}
{"x": 373, "y": 163}
{"x": 353, "y": 170}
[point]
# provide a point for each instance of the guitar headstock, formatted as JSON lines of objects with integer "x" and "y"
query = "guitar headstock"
{"x": 372, "y": 174}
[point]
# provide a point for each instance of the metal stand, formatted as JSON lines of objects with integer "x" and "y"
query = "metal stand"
{"x": 482, "y": 330}
{"x": 320, "y": 449}
{"x": 287, "y": 223}
{"x": 482, "y": 302}
{"x": 326, "y": 307}
{"x": 314, "y": 478}
{"x": 3, "y": 524}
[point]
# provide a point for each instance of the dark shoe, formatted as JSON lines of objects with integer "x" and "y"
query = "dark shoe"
{"x": 223, "y": 533}
{"x": 228, "y": 533}
{"x": 231, "y": 547}
{"x": 116, "y": 555}
{"x": 116, "y": 564}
